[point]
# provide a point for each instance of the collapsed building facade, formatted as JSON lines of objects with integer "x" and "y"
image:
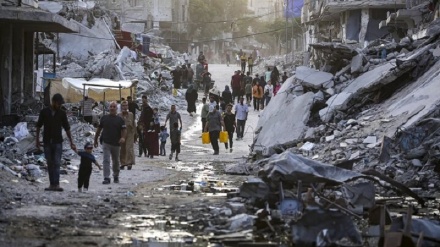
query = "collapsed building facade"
{"x": 19, "y": 21}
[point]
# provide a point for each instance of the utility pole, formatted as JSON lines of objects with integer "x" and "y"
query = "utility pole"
{"x": 286, "y": 37}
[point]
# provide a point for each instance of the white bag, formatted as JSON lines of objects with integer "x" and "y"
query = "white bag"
{"x": 21, "y": 131}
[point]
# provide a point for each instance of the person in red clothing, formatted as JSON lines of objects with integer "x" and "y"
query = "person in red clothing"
{"x": 236, "y": 85}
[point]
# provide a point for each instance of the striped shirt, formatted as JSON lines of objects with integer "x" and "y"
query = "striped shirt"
{"x": 87, "y": 107}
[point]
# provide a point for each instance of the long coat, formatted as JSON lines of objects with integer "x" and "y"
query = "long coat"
{"x": 127, "y": 148}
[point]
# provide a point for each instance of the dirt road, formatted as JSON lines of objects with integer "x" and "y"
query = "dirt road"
{"x": 153, "y": 203}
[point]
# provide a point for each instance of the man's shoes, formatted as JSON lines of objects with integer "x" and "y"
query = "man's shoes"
{"x": 58, "y": 188}
{"x": 50, "y": 188}
{"x": 80, "y": 190}
{"x": 140, "y": 155}
{"x": 216, "y": 152}
{"x": 171, "y": 156}
{"x": 238, "y": 138}
{"x": 106, "y": 181}
{"x": 115, "y": 180}
{"x": 129, "y": 167}
{"x": 122, "y": 167}
{"x": 230, "y": 150}
{"x": 177, "y": 159}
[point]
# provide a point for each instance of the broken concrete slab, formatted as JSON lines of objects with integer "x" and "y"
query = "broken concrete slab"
{"x": 356, "y": 63}
{"x": 312, "y": 78}
{"x": 370, "y": 140}
{"x": 337, "y": 101}
{"x": 280, "y": 111}
{"x": 423, "y": 92}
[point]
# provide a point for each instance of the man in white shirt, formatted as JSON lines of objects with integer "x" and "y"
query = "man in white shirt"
{"x": 86, "y": 106}
{"x": 268, "y": 92}
{"x": 241, "y": 113}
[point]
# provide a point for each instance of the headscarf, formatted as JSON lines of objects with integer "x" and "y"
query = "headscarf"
{"x": 227, "y": 89}
{"x": 190, "y": 89}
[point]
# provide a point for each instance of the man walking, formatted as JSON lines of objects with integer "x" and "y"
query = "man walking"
{"x": 204, "y": 113}
{"x": 235, "y": 85}
{"x": 87, "y": 105}
{"x": 53, "y": 119}
{"x": 241, "y": 113}
{"x": 174, "y": 117}
{"x": 214, "y": 124}
{"x": 132, "y": 107}
{"x": 113, "y": 135}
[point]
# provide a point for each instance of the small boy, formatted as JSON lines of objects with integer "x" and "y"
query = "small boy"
{"x": 163, "y": 135}
{"x": 85, "y": 167}
{"x": 175, "y": 141}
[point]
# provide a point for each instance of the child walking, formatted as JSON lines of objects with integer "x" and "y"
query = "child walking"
{"x": 85, "y": 167}
{"x": 163, "y": 140}
{"x": 175, "y": 141}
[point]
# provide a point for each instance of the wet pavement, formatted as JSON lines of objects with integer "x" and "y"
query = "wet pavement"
{"x": 160, "y": 202}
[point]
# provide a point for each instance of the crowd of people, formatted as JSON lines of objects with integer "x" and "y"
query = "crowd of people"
{"x": 119, "y": 130}
{"x": 117, "y": 133}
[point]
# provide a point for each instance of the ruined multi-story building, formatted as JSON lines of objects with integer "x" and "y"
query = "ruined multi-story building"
{"x": 268, "y": 10}
{"x": 167, "y": 16}
{"x": 20, "y": 20}
{"x": 348, "y": 21}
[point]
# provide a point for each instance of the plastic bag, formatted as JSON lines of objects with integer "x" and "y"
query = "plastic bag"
{"x": 21, "y": 131}
{"x": 174, "y": 92}
{"x": 205, "y": 138}
{"x": 223, "y": 136}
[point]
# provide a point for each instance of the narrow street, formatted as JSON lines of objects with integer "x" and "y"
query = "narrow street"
{"x": 152, "y": 203}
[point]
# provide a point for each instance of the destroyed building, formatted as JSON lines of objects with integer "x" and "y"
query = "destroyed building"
{"x": 17, "y": 37}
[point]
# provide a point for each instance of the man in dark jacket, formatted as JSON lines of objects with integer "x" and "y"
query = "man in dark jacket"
{"x": 54, "y": 120}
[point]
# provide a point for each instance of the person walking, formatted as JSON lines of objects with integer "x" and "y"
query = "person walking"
{"x": 85, "y": 167}
{"x": 248, "y": 92}
{"x": 243, "y": 59}
{"x": 126, "y": 155}
{"x": 227, "y": 95}
{"x": 235, "y": 85}
{"x": 214, "y": 125}
{"x": 132, "y": 106}
{"x": 250, "y": 64}
{"x": 174, "y": 117}
{"x": 204, "y": 113}
{"x": 274, "y": 75}
{"x": 206, "y": 81}
{"x": 177, "y": 76}
{"x": 87, "y": 105}
{"x": 268, "y": 92}
{"x": 175, "y": 136}
{"x": 190, "y": 75}
{"x": 257, "y": 93}
{"x": 113, "y": 135}
{"x": 184, "y": 77}
{"x": 230, "y": 124}
{"x": 267, "y": 75}
{"x": 141, "y": 141}
{"x": 241, "y": 113}
{"x": 163, "y": 140}
{"x": 54, "y": 120}
{"x": 191, "y": 96}
{"x": 146, "y": 120}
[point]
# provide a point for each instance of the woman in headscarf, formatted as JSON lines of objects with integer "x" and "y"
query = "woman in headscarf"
{"x": 227, "y": 95}
{"x": 127, "y": 148}
{"x": 191, "y": 98}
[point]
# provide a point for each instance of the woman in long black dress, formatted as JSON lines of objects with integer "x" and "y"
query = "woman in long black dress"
{"x": 191, "y": 98}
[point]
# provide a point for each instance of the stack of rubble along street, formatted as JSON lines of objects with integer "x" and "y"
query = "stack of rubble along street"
{"x": 358, "y": 154}
{"x": 18, "y": 155}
